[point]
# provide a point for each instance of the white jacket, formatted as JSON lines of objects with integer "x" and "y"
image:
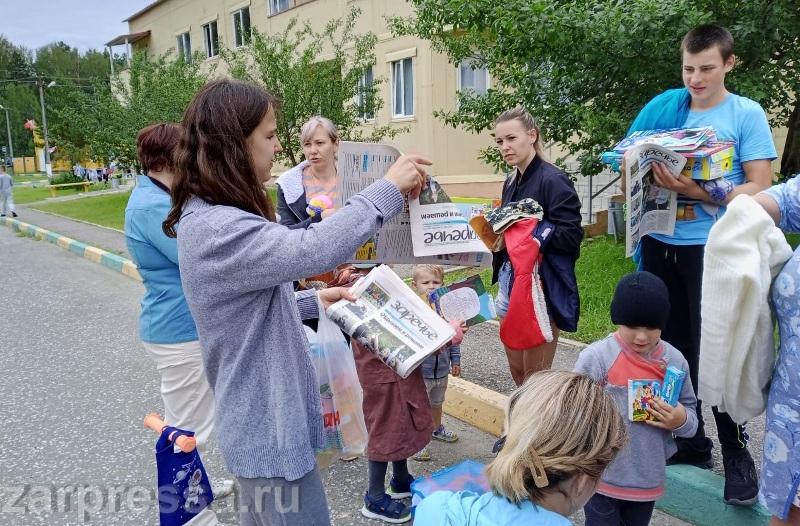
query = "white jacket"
{"x": 745, "y": 251}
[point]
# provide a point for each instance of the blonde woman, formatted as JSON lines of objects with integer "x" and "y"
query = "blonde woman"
{"x": 562, "y": 430}
{"x": 313, "y": 177}
{"x": 560, "y": 232}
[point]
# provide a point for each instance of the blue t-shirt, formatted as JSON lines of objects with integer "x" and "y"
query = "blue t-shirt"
{"x": 734, "y": 119}
{"x": 165, "y": 317}
{"x": 465, "y": 508}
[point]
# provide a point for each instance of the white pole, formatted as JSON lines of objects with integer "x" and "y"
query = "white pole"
{"x": 8, "y": 130}
{"x": 47, "y": 166}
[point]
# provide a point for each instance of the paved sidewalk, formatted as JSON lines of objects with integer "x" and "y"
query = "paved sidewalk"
{"x": 101, "y": 237}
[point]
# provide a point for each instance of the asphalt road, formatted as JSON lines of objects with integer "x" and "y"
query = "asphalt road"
{"x": 76, "y": 386}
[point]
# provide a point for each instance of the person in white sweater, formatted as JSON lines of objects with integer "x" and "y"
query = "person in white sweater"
{"x": 745, "y": 250}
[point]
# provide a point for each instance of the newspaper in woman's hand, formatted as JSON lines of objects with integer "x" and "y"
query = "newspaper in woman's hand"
{"x": 390, "y": 320}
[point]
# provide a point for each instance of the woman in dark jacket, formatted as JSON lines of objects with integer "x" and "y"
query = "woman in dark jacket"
{"x": 519, "y": 141}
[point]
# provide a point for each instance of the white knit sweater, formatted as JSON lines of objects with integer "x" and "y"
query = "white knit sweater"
{"x": 745, "y": 251}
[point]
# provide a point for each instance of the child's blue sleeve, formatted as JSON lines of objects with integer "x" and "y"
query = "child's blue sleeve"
{"x": 455, "y": 354}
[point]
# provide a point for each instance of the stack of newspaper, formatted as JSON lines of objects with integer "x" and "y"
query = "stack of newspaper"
{"x": 390, "y": 320}
{"x": 692, "y": 152}
{"x": 675, "y": 139}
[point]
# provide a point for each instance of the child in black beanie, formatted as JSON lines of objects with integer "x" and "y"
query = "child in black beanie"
{"x": 635, "y": 480}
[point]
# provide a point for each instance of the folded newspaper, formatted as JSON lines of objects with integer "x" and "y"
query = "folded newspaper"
{"x": 390, "y": 320}
{"x": 651, "y": 208}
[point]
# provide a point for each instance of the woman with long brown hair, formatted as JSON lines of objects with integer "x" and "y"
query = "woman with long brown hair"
{"x": 237, "y": 267}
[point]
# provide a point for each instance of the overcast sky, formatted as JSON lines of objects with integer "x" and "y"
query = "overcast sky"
{"x": 85, "y": 24}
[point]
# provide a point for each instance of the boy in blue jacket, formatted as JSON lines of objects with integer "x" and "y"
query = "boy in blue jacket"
{"x": 437, "y": 367}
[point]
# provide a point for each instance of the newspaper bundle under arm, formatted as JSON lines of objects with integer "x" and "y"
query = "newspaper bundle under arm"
{"x": 432, "y": 229}
{"x": 391, "y": 321}
{"x": 651, "y": 208}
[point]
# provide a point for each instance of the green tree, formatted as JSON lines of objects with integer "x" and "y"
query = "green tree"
{"x": 70, "y": 71}
{"x": 103, "y": 122}
{"x": 585, "y": 68}
{"x": 16, "y": 96}
{"x": 289, "y": 65}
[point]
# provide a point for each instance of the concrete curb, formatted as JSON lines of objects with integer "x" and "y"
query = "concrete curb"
{"x": 107, "y": 259}
{"x": 692, "y": 494}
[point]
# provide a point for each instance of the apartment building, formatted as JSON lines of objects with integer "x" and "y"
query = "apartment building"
{"x": 417, "y": 81}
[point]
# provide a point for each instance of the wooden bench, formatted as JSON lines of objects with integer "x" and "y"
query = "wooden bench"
{"x": 54, "y": 187}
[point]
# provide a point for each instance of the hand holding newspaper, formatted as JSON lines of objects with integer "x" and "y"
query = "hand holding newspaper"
{"x": 391, "y": 321}
{"x": 651, "y": 208}
{"x": 432, "y": 229}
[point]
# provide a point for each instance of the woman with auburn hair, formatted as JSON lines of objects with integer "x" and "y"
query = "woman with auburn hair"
{"x": 237, "y": 267}
{"x": 166, "y": 327}
{"x": 562, "y": 431}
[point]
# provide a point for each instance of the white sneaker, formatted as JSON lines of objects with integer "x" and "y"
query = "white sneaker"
{"x": 221, "y": 488}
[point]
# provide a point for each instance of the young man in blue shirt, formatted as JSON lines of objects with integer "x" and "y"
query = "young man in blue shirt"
{"x": 707, "y": 53}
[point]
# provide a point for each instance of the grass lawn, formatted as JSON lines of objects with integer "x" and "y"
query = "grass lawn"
{"x": 106, "y": 210}
{"x": 28, "y": 178}
{"x": 28, "y": 194}
{"x": 600, "y": 266}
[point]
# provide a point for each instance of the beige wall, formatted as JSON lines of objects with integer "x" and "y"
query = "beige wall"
{"x": 454, "y": 152}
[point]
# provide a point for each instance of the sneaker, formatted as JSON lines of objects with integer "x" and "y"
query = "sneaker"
{"x": 441, "y": 433}
{"x": 386, "y": 510}
{"x": 399, "y": 491}
{"x": 423, "y": 456}
{"x": 702, "y": 460}
{"x": 14, "y": 214}
{"x": 221, "y": 488}
{"x": 741, "y": 480}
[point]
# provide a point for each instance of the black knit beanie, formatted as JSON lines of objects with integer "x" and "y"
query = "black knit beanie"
{"x": 641, "y": 300}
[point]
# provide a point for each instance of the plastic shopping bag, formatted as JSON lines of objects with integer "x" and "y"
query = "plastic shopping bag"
{"x": 340, "y": 392}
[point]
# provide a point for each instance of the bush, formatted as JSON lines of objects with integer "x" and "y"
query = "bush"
{"x": 65, "y": 178}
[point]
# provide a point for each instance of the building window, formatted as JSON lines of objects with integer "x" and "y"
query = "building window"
{"x": 365, "y": 98}
{"x": 402, "y": 88}
{"x": 211, "y": 39}
{"x": 279, "y": 6}
{"x": 471, "y": 78}
{"x": 241, "y": 27}
{"x": 185, "y": 46}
